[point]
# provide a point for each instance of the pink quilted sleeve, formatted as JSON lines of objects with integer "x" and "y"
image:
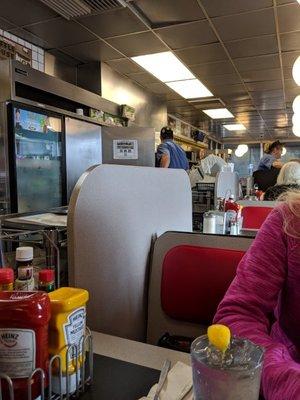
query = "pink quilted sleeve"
{"x": 252, "y": 299}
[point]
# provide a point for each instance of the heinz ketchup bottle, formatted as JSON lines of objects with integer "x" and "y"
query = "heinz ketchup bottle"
{"x": 24, "y": 318}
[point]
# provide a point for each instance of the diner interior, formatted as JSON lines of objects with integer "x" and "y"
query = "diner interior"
{"x": 149, "y": 199}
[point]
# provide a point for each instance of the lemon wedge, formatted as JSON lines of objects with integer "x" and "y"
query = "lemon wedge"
{"x": 219, "y": 336}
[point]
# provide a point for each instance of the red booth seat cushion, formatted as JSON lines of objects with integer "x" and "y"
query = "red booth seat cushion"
{"x": 194, "y": 281}
{"x": 254, "y": 217}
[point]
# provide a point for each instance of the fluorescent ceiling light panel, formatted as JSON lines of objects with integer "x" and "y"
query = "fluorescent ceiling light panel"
{"x": 190, "y": 89}
{"x": 235, "y": 127}
{"x": 164, "y": 66}
{"x": 218, "y": 113}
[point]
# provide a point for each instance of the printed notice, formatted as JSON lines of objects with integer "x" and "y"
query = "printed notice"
{"x": 17, "y": 352}
{"x": 74, "y": 329}
{"x": 125, "y": 149}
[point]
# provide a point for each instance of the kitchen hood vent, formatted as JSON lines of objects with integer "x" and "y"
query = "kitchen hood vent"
{"x": 70, "y": 9}
{"x": 103, "y": 5}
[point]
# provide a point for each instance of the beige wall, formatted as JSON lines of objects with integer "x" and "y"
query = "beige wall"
{"x": 151, "y": 111}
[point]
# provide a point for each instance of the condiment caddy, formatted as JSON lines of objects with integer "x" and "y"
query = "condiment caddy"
{"x": 45, "y": 348}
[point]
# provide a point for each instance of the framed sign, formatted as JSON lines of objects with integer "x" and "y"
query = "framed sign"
{"x": 125, "y": 149}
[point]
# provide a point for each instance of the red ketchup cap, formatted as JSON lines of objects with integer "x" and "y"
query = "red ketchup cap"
{"x": 46, "y": 275}
{"x": 6, "y": 276}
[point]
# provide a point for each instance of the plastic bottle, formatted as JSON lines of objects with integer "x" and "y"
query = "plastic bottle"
{"x": 46, "y": 280}
{"x": 24, "y": 319}
{"x": 6, "y": 279}
{"x": 24, "y": 264}
{"x": 24, "y": 257}
{"x": 230, "y": 204}
{"x": 67, "y": 327}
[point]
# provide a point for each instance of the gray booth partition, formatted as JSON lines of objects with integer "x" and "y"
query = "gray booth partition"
{"x": 114, "y": 214}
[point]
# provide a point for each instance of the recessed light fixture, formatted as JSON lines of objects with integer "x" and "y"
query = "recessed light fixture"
{"x": 283, "y": 153}
{"x": 218, "y": 113}
{"x": 164, "y": 66}
{"x": 235, "y": 127}
{"x": 296, "y": 104}
{"x": 170, "y": 70}
{"x": 296, "y": 130}
{"x": 296, "y": 71}
{"x": 190, "y": 89}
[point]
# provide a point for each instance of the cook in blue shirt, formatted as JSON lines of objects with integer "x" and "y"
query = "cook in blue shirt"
{"x": 170, "y": 154}
{"x": 272, "y": 157}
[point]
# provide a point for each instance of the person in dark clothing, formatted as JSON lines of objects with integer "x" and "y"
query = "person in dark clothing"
{"x": 288, "y": 179}
{"x": 170, "y": 154}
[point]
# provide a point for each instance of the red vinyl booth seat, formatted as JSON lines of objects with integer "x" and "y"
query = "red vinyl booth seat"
{"x": 194, "y": 281}
{"x": 253, "y": 217}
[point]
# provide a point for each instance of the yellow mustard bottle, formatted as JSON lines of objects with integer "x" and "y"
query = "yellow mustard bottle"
{"x": 67, "y": 327}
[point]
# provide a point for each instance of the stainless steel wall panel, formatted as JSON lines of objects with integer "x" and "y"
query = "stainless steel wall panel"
{"x": 83, "y": 149}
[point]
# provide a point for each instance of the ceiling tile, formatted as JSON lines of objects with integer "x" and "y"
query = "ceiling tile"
{"x": 173, "y": 96}
{"x": 235, "y": 98}
{"x": 65, "y": 58}
{"x": 227, "y": 90}
{"x": 261, "y": 86}
{"x": 275, "y": 103}
{"x": 253, "y": 46}
{"x": 216, "y": 8}
{"x": 289, "y": 18}
{"x": 228, "y": 79}
{"x": 290, "y": 41}
{"x": 124, "y": 66}
{"x": 266, "y": 95}
{"x": 202, "y": 54}
{"x": 60, "y": 32}
{"x": 261, "y": 75}
{"x": 170, "y": 11}
{"x": 158, "y": 88}
{"x": 25, "y": 11}
{"x": 176, "y": 103}
{"x": 138, "y": 44}
{"x": 29, "y": 37}
{"x": 246, "y": 25}
{"x": 6, "y": 25}
{"x": 214, "y": 68}
{"x": 113, "y": 23}
{"x": 92, "y": 51}
{"x": 257, "y": 63}
{"x": 187, "y": 35}
{"x": 143, "y": 78}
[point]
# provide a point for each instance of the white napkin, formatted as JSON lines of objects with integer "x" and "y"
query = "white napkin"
{"x": 177, "y": 385}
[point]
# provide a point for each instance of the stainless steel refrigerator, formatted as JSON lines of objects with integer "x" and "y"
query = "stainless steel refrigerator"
{"x": 47, "y": 152}
{"x": 36, "y": 159}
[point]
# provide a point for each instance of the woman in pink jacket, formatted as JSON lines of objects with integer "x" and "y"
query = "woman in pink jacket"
{"x": 263, "y": 302}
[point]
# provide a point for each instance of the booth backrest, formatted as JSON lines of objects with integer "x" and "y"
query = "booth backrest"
{"x": 190, "y": 273}
{"x": 114, "y": 213}
{"x": 254, "y": 217}
{"x": 194, "y": 281}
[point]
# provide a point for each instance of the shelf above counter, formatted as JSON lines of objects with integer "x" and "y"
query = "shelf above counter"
{"x": 190, "y": 142}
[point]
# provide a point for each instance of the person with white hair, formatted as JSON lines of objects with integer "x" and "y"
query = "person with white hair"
{"x": 288, "y": 179}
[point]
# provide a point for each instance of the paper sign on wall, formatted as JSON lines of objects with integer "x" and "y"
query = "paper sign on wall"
{"x": 125, "y": 149}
